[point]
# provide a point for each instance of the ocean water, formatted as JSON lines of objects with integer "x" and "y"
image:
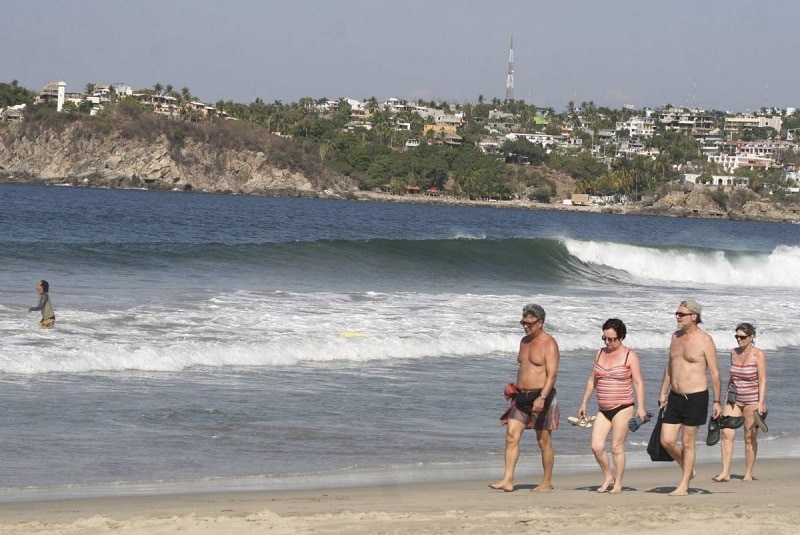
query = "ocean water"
{"x": 209, "y": 342}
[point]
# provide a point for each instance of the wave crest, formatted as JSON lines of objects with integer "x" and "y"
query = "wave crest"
{"x": 682, "y": 265}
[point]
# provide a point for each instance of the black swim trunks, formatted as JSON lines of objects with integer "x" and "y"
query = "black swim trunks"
{"x": 687, "y": 409}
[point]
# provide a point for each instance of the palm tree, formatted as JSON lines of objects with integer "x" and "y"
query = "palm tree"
{"x": 381, "y": 130}
{"x": 186, "y": 94}
{"x": 372, "y": 105}
{"x": 324, "y": 148}
{"x": 661, "y": 165}
{"x": 158, "y": 88}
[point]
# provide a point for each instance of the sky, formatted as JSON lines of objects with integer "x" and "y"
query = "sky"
{"x": 731, "y": 55}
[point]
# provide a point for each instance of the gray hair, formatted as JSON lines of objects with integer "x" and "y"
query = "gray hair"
{"x": 534, "y": 310}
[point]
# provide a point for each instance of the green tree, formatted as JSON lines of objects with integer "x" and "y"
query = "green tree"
{"x": 675, "y": 146}
{"x": 13, "y": 94}
{"x": 371, "y": 105}
{"x": 521, "y": 151}
{"x": 85, "y": 107}
{"x": 758, "y": 133}
{"x": 69, "y": 108}
{"x": 487, "y": 183}
{"x": 381, "y": 121}
{"x": 343, "y": 114}
{"x": 324, "y": 148}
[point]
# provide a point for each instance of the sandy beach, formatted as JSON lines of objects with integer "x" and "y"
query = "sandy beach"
{"x": 178, "y": 420}
{"x": 767, "y": 505}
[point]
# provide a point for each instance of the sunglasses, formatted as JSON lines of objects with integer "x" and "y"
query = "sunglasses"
{"x": 741, "y": 337}
{"x": 528, "y": 323}
{"x": 609, "y": 338}
{"x": 683, "y": 314}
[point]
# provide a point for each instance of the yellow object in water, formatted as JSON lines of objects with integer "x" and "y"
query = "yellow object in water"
{"x": 350, "y": 334}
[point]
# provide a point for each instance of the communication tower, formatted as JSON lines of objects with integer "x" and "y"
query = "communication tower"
{"x": 510, "y": 78}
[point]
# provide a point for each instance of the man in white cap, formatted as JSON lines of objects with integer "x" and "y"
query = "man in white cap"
{"x": 692, "y": 355}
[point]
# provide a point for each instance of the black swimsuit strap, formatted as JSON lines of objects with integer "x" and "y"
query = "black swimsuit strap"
{"x": 599, "y": 351}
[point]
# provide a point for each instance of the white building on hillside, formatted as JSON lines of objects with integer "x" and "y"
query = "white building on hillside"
{"x": 719, "y": 180}
{"x": 733, "y": 162}
{"x": 638, "y": 127}
{"x": 733, "y": 124}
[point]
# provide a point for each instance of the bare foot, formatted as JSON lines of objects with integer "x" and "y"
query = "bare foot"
{"x": 721, "y": 479}
{"x": 748, "y": 478}
{"x": 604, "y": 487}
{"x": 679, "y": 492}
{"x": 616, "y": 490}
{"x": 542, "y": 488}
{"x": 500, "y": 485}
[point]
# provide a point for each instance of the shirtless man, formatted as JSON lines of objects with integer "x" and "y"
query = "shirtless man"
{"x": 533, "y": 398}
{"x": 692, "y": 354}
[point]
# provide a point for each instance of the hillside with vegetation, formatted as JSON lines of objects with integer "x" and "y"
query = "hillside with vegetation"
{"x": 312, "y": 147}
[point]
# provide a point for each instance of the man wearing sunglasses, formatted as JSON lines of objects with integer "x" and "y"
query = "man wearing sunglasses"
{"x": 692, "y": 356}
{"x": 533, "y": 398}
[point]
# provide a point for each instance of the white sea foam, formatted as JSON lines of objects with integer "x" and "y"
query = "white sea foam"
{"x": 247, "y": 328}
{"x": 469, "y": 236}
{"x": 780, "y": 268}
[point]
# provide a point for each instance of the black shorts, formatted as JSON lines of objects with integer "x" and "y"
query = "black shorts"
{"x": 687, "y": 409}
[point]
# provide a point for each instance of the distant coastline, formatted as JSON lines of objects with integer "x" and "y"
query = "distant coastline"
{"x": 145, "y": 151}
{"x": 769, "y": 212}
{"x": 618, "y": 209}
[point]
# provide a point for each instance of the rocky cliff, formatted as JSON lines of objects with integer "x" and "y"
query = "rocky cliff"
{"x": 711, "y": 203}
{"x": 115, "y": 159}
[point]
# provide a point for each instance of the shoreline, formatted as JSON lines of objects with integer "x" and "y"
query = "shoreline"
{"x": 629, "y": 209}
{"x": 462, "y": 506}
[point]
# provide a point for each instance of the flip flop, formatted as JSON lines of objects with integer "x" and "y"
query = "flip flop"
{"x": 635, "y": 422}
{"x": 759, "y": 419}
{"x": 713, "y": 432}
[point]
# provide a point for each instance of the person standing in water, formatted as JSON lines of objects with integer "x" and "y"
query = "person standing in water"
{"x": 45, "y": 305}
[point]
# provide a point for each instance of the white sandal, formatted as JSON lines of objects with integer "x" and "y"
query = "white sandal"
{"x": 585, "y": 422}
